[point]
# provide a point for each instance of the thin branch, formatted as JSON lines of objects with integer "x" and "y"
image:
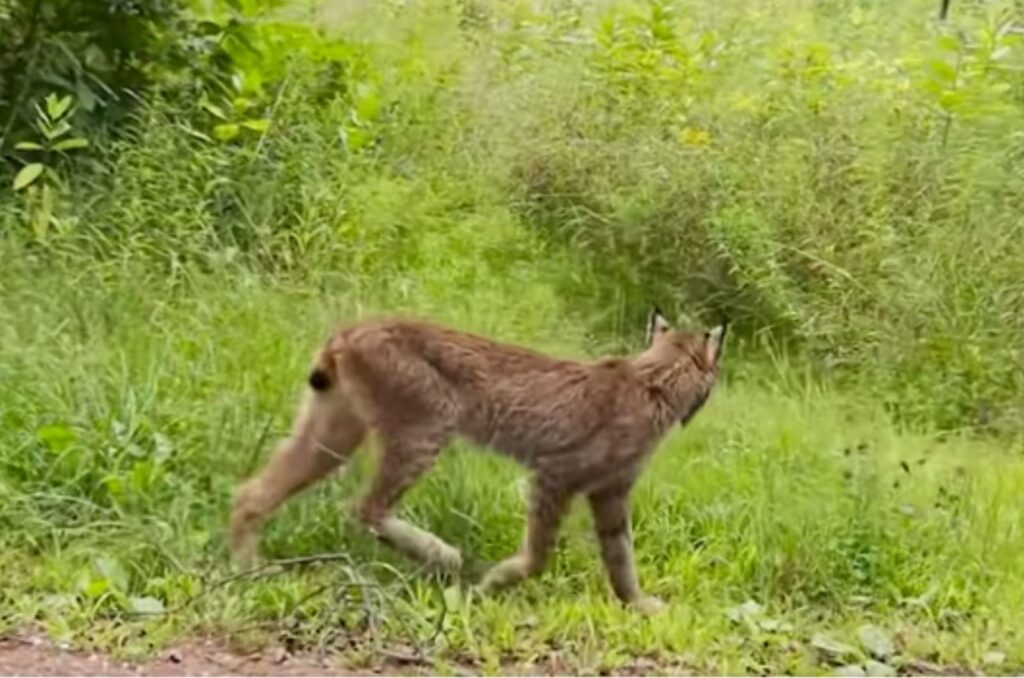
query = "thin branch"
{"x": 261, "y": 571}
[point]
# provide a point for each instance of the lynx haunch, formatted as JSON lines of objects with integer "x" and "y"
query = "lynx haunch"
{"x": 580, "y": 427}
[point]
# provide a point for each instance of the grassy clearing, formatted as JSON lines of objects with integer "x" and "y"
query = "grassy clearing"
{"x": 137, "y": 404}
{"x": 843, "y": 178}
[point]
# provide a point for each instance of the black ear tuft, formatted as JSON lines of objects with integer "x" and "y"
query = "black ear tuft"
{"x": 656, "y": 323}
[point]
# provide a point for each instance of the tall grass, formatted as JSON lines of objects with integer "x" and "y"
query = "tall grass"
{"x": 842, "y": 178}
{"x": 140, "y": 403}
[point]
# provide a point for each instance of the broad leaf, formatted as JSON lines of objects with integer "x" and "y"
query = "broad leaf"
{"x": 70, "y": 144}
{"x": 58, "y": 130}
{"x": 55, "y": 107}
{"x": 225, "y": 132}
{"x": 55, "y": 436}
{"x": 214, "y": 110}
{"x": 113, "y": 572}
{"x": 256, "y": 124}
{"x": 27, "y": 174}
{"x": 878, "y": 669}
{"x": 146, "y": 605}
{"x": 832, "y": 648}
{"x": 875, "y": 641}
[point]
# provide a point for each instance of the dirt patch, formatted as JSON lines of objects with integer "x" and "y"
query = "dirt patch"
{"x": 33, "y": 656}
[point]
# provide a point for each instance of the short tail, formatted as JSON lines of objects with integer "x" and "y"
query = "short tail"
{"x": 324, "y": 373}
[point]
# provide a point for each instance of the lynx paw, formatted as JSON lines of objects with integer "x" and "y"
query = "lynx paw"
{"x": 649, "y": 605}
{"x": 502, "y": 575}
{"x": 244, "y": 548}
{"x": 245, "y": 558}
{"x": 445, "y": 557}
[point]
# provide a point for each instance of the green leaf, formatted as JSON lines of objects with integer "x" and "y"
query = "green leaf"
{"x": 453, "y": 598}
{"x": 71, "y": 144}
{"x": 113, "y": 572}
{"x": 876, "y": 641}
{"x": 831, "y": 648}
{"x": 256, "y": 124}
{"x": 951, "y": 99}
{"x": 115, "y": 486}
{"x": 27, "y": 175}
{"x": 56, "y": 436}
{"x": 55, "y": 107}
{"x": 195, "y": 133}
{"x": 58, "y": 130}
{"x": 163, "y": 448}
{"x": 368, "y": 106}
{"x": 146, "y": 605}
{"x": 96, "y": 588}
{"x": 207, "y": 27}
{"x": 225, "y": 132}
{"x": 28, "y": 146}
{"x": 877, "y": 669}
{"x": 942, "y": 70}
{"x": 214, "y": 110}
{"x": 748, "y": 610}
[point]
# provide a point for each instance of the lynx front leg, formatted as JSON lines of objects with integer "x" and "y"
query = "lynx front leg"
{"x": 547, "y": 507}
{"x": 401, "y": 465}
{"x": 611, "y": 521}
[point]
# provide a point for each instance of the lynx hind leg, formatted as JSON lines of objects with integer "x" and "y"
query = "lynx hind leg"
{"x": 325, "y": 434}
{"x": 404, "y": 460}
{"x": 547, "y": 508}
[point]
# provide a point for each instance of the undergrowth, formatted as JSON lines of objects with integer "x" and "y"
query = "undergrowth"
{"x": 140, "y": 402}
{"x": 842, "y": 179}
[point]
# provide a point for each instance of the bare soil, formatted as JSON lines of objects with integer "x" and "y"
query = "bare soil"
{"x": 32, "y": 656}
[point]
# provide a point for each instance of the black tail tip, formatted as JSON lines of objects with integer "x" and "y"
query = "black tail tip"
{"x": 319, "y": 380}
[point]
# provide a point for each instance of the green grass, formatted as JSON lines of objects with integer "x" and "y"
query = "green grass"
{"x": 133, "y": 405}
{"x": 843, "y": 178}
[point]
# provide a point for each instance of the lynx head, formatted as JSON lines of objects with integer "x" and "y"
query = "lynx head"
{"x": 683, "y": 364}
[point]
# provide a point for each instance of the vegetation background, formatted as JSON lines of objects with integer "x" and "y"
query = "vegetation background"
{"x": 192, "y": 192}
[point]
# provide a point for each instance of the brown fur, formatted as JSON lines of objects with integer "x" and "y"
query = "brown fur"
{"x": 580, "y": 427}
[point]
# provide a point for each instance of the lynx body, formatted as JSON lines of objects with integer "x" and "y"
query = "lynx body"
{"x": 580, "y": 427}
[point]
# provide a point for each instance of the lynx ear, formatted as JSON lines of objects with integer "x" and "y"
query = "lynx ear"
{"x": 656, "y": 324}
{"x": 714, "y": 341}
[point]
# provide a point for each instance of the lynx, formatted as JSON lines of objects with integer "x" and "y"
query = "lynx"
{"x": 582, "y": 428}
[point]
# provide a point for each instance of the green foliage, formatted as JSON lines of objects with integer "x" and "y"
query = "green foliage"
{"x": 101, "y": 52}
{"x": 126, "y": 436}
{"x": 844, "y": 179}
{"x": 109, "y": 56}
